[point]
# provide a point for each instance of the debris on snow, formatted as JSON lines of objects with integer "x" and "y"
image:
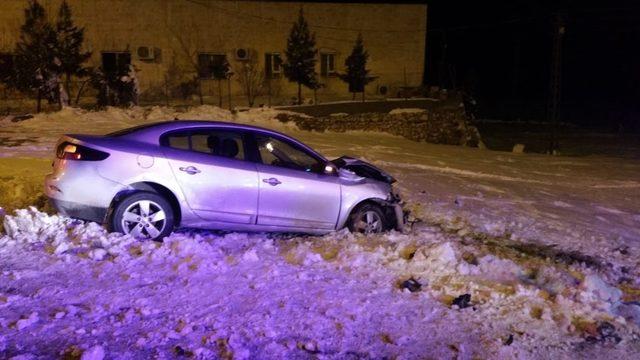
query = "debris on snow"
{"x": 462, "y": 301}
{"x": 604, "y": 332}
{"x": 181, "y": 352}
{"x": 411, "y": 284}
{"x": 508, "y": 340}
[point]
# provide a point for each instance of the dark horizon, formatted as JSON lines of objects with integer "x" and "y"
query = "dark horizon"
{"x": 502, "y": 54}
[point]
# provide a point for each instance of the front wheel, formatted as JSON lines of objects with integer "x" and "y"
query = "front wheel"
{"x": 367, "y": 219}
{"x": 143, "y": 215}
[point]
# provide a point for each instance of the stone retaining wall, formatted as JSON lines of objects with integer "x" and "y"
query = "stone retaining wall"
{"x": 439, "y": 126}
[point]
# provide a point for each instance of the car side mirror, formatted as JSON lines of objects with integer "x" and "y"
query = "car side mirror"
{"x": 330, "y": 169}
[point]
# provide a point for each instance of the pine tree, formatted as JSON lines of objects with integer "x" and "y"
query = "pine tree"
{"x": 357, "y": 75}
{"x": 69, "y": 46}
{"x": 116, "y": 90}
{"x": 6, "y": 68}
{"x": 36, "y": 67}
{"x": 300, "y": 64}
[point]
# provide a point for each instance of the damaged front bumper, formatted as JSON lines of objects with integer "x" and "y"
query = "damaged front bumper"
{"x": 395, "y": 214}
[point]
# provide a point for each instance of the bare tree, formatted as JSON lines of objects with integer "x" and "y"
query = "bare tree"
{"x": 251, "y": 78}
{"x": 221, "y": 71}
{"x": 188, "y": 47}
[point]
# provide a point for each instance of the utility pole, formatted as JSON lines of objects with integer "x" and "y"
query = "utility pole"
{"x": 559, "y": 30}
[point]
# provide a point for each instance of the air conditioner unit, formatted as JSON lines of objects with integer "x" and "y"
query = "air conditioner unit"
{"x": 242, "y": 54}
{"x": 146, "y": 53}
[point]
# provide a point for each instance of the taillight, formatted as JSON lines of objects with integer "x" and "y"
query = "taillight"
{"x": 69, "y": 151}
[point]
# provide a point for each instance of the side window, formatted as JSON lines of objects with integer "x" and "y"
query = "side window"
{"x": 276, "y": 152}
{"x": 178, "y": 141}
{"x": 223, "y": 143}
{"x": 220, "y": 143}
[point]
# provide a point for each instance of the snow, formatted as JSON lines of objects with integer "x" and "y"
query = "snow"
{"x": 28, "y": 321}
{"x": 595, "y": 287}
{"x": 518, "y": 149}
{"x": 546, "y": 248}
{"x": 93, "y": 353}
{"x": 406, "y": 111}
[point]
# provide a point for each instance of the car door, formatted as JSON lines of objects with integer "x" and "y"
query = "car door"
{"x": 294, "y": 190}
{"x": 210, "y": 166}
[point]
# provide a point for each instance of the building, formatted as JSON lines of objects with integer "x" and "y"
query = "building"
{"x": 170, "y": 42}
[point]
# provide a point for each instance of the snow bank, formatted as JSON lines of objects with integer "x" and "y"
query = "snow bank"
{"x": 61, "y": 235}
{"x": 278, "y": 296}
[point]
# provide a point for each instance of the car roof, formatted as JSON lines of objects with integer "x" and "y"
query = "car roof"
{"x": 151, "y": 133}
{"x": 165, "y": 126}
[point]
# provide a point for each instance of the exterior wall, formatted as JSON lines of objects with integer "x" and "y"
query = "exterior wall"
{"x": 394, "y": 36}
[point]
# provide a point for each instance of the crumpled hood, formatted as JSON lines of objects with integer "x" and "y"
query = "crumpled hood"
{"x": 363, "y": 169}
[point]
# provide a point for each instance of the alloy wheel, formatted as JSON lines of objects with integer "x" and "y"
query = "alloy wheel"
{"x": 369, "y": 222}
{"x": 144, "y": 219}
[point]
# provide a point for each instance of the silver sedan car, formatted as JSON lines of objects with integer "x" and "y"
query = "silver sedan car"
{"x": 146, "y": 181}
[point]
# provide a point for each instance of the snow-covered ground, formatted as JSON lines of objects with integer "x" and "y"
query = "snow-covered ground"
{"x": 546, "y": 247}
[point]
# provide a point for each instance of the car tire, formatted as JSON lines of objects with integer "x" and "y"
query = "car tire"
{"x": 367, "y": 218}
{"x": 143, "y": 215}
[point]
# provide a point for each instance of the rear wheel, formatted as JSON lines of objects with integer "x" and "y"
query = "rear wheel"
{"x": 144, "y": 215}
{"x": 367, "y": 219}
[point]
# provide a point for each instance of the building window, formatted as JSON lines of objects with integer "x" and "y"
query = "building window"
{"x": 212, "y": 66}
{"x": 116, "y": 63}
{"x": 273, "y": 65}
{"x": 328, "y": 64}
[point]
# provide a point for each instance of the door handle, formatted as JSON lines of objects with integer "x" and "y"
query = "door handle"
{"x": 272, "y": 181}
{"x": 191, "y": 170}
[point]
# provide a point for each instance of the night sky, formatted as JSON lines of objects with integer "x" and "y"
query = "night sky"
{"x": 501, "y": 51}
